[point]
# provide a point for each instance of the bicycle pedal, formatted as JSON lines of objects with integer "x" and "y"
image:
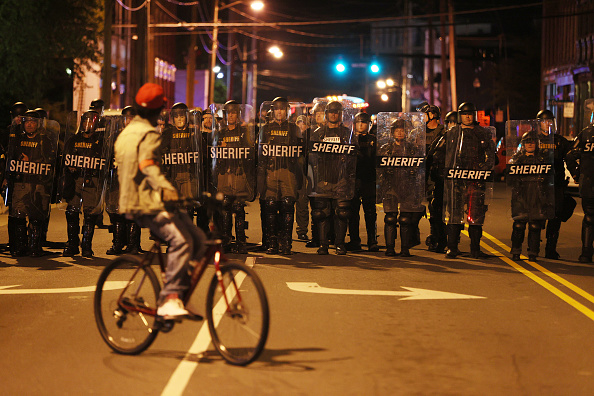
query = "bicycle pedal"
{"x": 195, "y": 317}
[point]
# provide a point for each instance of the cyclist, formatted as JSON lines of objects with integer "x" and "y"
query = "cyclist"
{"x": 143, "y": 191}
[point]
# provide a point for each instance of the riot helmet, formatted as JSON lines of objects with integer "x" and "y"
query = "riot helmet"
{"x": 42, "y": 113}
{"x": 466, "y": 109}
{"x": 207, "y": 119}
{"x": 231, "y": 112}
{"x": 427, "y": 108}
{"x": 88, "y": 122}
{"x": 451, "y": 119}
{"x": 31, "y": 121}
{"x": 398, "y": 129}
{"x": 529, "y": 142}
{"x": 302, "y": 122}
{"x": 334, "y": 112}
{"x": 279, "y": 107}
{"x": 362, "y": 122}
{"x": 547, "y": 121}
{"x": 128, "y": 112}
{"x": 17, "y": 110}
{"x": 97, "y": 105}
{"x": 179, "y": 115}
{"x": 163, "y": 120}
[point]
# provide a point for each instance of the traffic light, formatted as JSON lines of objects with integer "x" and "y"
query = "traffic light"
{"x": 374, "y": 67}
{"x": 340, "y": 67}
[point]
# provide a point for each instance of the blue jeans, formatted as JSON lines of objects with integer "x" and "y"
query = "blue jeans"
{"x": 185, "y": 242}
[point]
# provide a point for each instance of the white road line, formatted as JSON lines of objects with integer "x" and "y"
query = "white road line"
{"x": 183, "y": 373}
{"x": 109, "y": 285}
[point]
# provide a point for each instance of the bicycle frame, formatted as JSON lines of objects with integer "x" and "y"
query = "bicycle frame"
{"x": 213, "y": 252}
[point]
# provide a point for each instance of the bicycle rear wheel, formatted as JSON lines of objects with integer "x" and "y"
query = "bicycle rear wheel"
{"x": 238, "y": 329}
{"x": 125, "y": 305}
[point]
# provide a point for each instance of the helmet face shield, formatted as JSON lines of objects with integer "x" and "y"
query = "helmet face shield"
{"x": 179, "y": 118}
{"x": 88, "y": 122}
{"x": 31, "y": 124}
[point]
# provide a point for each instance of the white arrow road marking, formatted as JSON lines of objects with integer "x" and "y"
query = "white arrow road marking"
{"x": 411, "y": 294}
{"x": 109, "y": 285}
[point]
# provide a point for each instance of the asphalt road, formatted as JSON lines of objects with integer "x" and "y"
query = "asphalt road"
{"x": 365, "y": 329}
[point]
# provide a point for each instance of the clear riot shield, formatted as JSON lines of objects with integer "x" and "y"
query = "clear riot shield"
{"x": 182, "y": 153}
{"x": 332, "y": 156}
{"x": 232, "y": 151}
{"x": 281, "y": 151}
{"x": 112, "y": 184}
{"x": 530, "y": 172}
{"x": 30, "y": 167}
{"x": 85, "y": 163}
{"x": 400, "y": 161}
{"x": 468, "y": 189}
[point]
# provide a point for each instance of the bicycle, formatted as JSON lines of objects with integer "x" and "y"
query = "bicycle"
{"x": 237, "y": 313}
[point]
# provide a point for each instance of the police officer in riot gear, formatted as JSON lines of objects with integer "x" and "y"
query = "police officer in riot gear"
{"x": 580, "y": 162}
{"x": 532, "y": 193}
{"x": 302, "y": 204}
{"x": 125, "y": 232}
{"x": 435, "y": 131}
{"x": 451, "y": 120}
{"x": 30, "y": 172}
{"x": 400, "y": 188}
{"x": 469, "y": 160}
{"x": 364, "y": 186}
{"x": 84, "y": 171}
{"x": 333, "y": 177}
{"x": 280, "y": 175}
{"x": 551, "y": 140}
{"x": 234, "y": 174}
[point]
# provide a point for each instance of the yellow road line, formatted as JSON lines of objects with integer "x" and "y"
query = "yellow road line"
{"x": 545, "y": 271}
{"x": 563, "y": 296}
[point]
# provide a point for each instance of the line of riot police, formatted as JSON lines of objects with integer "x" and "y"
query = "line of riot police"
{"x": 289, "y": 158}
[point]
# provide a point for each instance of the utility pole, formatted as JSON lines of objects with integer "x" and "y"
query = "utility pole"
{"x": 452, "y": 55}
{"x": 213, "y": 54}
{"x": 444, "y": 62}
{"x": 191, "y": 66}
{"x": 106, "y": 71}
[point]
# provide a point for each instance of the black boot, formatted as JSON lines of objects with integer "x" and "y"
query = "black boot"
{"x": 18, "y": 237}
{"x": 36, "y": 228}
{"x": 587, "y": 240}
{"x": 240, "y": 224}
{"x": 134, "y": 232}
{"x": 119, "y": 233}
{"x": 287, "y": 217}
{"x": 453, "y": 231}
{"x": 271, "y": 208}
{"x": 534, "y": 239}
{"x": 390, "y": 233}
{"x": 371, "y": 227}
{"x": 552, "y": 233}
{"x": 517, "y": 238}
{"x": 264, "y": 246}
{"x": 88, "y": 230}
{"x": 324, "y": 229}
{"x": 476, "y": 232}
{"x": 73, "y": 230}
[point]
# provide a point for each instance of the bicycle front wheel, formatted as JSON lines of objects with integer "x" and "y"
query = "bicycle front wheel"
{"x": 125, "y": 305}
{"x": 237, "y": 314}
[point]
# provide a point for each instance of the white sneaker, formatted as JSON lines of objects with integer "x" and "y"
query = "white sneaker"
{"x": 172, "y": 308}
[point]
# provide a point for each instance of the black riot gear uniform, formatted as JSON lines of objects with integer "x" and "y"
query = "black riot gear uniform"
{"x": 232, "y": 154}
{"x": 469, "y": 160}
{"x": 401, "y": 182}
{"x": 29, "y": 177}
{"x": 530, "y": 176}
{"x": 364, "y": 187}
{"x": 280, "y": 175}
{"x": 435, "y": 132}
{"x": 580, "y": 162}
{"x": 333, "y": 162}
{"x": 84, "y": 170}
{"x": 550, "y": 140}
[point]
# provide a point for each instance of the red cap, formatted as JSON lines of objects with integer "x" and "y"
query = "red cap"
{"x": 151, "y": 96}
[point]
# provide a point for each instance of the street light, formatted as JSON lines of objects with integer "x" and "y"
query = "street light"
{"x": 381, "y": 84}
{"x": 255, "y": 5}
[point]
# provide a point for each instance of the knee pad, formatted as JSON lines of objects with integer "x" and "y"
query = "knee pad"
{"x": 391, "y": 218}
{"x": 288, "y": 204}
{"x": 320, "y": 209}
{"x": 520, "y": 225}
{"x": 535, "y": 226}
{"x": 343, "y": 210}
{"x": 406, "y": 218}
{"x": 228, "y": 202}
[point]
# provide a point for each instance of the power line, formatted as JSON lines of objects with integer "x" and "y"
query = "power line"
{"x": 124, "y": 6}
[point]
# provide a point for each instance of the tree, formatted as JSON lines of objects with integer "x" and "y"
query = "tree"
{"x": 39, "y": 39}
